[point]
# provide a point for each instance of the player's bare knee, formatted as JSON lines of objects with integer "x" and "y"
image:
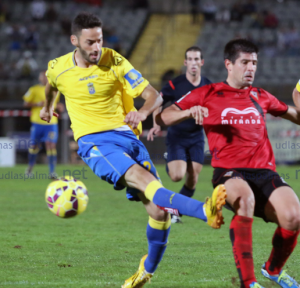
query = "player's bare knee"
{"x": 248, "y": 202}
{"x": 159, "y": 215}
{"x": 138, "y": 177}
{"x": 176, "y": 176}
{"x": 291, "y": 219}
{"x": 245, "y": 205}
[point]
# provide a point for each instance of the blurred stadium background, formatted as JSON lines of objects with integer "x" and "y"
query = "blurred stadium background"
{"x": 97, "y": 249}
{"x": 153, "y": 35}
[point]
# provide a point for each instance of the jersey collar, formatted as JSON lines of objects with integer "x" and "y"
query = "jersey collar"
{"x": 225, "y": 82}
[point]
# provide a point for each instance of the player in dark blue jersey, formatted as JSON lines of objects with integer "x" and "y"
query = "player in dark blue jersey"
{"x": 185, "y": 141}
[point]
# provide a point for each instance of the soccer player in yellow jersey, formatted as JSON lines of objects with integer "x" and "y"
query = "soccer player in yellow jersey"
{"x": 99, "y": 87}
{"x": 40, "y": 130}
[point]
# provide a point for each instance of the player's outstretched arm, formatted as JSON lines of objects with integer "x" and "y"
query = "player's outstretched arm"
{"x": 152, "y": 98}
{"x": 48, "y": 110}
{"x": 152, "y": 101}
{"x": 293, "y": 113}
{"x": 156, "y": 128}
{"x": 174, "y": 115}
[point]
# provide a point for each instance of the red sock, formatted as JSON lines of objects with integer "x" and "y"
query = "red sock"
{"x": 241, "y": 238}
{"x": 284, "y": 242}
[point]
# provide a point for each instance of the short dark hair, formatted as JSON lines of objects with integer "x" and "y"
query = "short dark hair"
{"x": 85, "y": 20}
{"x": 234, "y": 47}
{"x": 193, "y": 48}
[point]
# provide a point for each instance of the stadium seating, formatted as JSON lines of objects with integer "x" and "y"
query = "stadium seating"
{"x": 53, "y": 43}
{"x": 281, "y": 69}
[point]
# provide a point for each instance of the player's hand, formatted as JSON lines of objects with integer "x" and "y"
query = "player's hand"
{"x": 198, "y": 113}
{"x": 46, "y": 114}
{"x": 133, "y": 118}
{"x": 153, "y": 131}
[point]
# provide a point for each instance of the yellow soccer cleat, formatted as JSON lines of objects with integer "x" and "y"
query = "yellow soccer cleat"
{"x": 140, "y": 278}
{"x": 213, "y": 207}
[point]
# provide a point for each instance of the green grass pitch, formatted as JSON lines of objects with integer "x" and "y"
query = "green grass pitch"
{"x": 103, "y": 246}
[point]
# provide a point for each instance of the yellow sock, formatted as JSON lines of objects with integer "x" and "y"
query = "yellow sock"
{"x": 34, "y": 151}
{"x": 159, "y": 225}
{"x": 152, "y": 188}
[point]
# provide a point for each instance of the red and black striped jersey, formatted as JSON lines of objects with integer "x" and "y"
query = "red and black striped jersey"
{"x": 236, "y": 125}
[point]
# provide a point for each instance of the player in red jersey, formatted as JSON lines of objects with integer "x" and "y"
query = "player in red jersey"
{"x": 233, "y": 116}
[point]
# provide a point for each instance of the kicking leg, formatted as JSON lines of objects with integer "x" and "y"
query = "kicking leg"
{"x": 282, "y": 208}
{"x": 210, "y": 212}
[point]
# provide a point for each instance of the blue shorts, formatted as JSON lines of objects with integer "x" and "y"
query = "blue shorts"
{"x": 43, "y": 133}
{"x": 186, "y": 149}
{"x": 110, "y": 154}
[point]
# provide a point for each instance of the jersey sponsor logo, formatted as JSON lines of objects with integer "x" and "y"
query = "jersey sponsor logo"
{"x": 235, "y": 116}
{"x": 134, "y": 78}
{"x": 118, "y": 60}
{"x": 254, "y": 94}
{"x": 91, "y": 88}
{"x": 87, "y": 78}
{"x": 183, "y": 97}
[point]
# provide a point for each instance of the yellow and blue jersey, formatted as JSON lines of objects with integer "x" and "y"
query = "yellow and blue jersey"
{"x": 99, "y": 97}
{"x": 34, "y": 95}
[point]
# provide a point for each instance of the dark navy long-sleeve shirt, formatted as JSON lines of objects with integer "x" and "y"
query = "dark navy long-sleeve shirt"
{"x": 172, "y": 92}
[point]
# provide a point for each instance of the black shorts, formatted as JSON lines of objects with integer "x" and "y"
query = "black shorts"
{"x": 262, "y": 182}
{"x": 186, "y": 149}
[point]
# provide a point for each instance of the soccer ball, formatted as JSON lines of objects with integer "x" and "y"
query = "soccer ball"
{"x": 66, "y": 197}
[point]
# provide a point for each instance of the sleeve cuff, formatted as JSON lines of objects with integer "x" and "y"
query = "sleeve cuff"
{"x": 178, "y": 106}
{"x": 287, "y": 108}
